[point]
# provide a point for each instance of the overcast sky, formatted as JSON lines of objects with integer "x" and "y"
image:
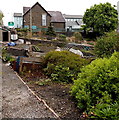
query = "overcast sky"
{"x": 73, "y": 7}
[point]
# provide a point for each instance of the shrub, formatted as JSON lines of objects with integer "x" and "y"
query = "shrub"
{"x": 50, "y": 33}
{"x": 97, "y": 87}
{"x": 62, "y": 38}
{"x": 62, "y": 65}
{"x": 78, "y": 37}
{"x": 6, "y": 57}
{"x": 107, "y": 44}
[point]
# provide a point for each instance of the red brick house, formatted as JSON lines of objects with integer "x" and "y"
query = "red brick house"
{"x": 38, "y": 18}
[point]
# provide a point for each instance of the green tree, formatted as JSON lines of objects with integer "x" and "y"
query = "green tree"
{"x": 50, "y": 32}
{"x": 97, "y": 88}
{"x": 107, "y": 44}
{"x": 101, "y": 18}
{"x": 1, "y": 16}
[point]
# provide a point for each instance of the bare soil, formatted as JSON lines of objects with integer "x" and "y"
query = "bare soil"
{"x": 56, "y": 95}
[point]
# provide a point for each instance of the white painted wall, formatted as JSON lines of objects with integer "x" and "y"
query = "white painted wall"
{"x": 18, "y": 22}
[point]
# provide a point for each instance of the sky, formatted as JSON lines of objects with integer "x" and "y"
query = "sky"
{"x": 72, "y": 7}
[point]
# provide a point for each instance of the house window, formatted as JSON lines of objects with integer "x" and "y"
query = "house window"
{"x": 43, "y": 19}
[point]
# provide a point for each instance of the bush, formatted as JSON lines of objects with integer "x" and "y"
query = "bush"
{"x": 97, "y": 88}
{"x": 6, "y": 57}
{"x": 78, "y": 37}
{"x": 50, "y": 33}
{"x": 62, "y": 38}
{"x": 62, "y": 65}
{"x": 107, "y": 44}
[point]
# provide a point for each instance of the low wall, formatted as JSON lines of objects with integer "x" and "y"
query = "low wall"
{"x": 17, "y": 52}
{"x": 36, "y": 41}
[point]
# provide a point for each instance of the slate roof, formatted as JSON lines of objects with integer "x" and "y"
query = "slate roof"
{"x": 71, "y": 23}
{"x": 72, "y": 16}
{"x": 34, "y": 6}
{"x": 75, "y": 24}
{"x": 17, "y": 14}
{"x": 56, "y": 16}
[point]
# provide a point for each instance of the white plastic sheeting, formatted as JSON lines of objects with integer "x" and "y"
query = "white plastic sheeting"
{"x": 78, "y": 52}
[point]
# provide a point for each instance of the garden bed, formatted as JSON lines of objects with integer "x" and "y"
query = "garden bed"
{"x": 55, "y": 94}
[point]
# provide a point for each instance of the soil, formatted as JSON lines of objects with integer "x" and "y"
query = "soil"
{"x": 56, "y": 95}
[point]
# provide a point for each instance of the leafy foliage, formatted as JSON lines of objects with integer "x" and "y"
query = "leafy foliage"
{"x": 6, "y": 57}
{"x": 62, "y": 65}
{"x": 1, "y": 16}
{"x": 97, "y": 88}
{"x": 78, "y": 36}
{"x": 100, "y": 18}
{"x": 62, "y": 38}
{"x": 106, "y": 45}
{"x": 50, "y": 31}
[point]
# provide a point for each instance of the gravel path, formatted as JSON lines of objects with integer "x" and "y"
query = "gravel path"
{"x": 18, "y": 101}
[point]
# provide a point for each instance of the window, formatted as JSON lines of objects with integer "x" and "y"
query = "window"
{"x": 43, "y": 19}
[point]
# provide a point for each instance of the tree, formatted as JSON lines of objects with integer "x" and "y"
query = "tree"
{"x": 1, "y": 16}
{"x": 101, "y": 18}
{"x": 50, "y": 32}
{"x": 107, "y": 44}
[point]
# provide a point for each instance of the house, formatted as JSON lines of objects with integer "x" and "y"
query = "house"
{"x": 37, "y": 18}
{"x": 73, "y": 22}
{"x": 57, "y": 21}
{"x": 18, "y": 20}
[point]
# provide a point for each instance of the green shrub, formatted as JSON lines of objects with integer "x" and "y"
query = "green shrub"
{"x": 6, "y": 57}
{"x": 98, "y": 85}
{"x": 62, "y": 65}
{"x": 106, "y": 111}
{"x": 62, "y": 38}
{"x": 35, "y": 48}
{"x": 78, "y": 37}
{"x": 107, "y": 44}
{"x": 50, "y": 33}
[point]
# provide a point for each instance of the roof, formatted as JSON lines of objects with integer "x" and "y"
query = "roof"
{"x": 71, "y": 23}
{"x": 25, "y": 9}
{"x": 56, "y": 16}
{"x": 34, "y": 6}
{"x": 74, "y": 23}
{"x": 72, "y": 16}
{"x": 17, "y": 14}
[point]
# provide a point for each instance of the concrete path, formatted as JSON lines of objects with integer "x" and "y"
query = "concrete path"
{"x": 18, "y": 101}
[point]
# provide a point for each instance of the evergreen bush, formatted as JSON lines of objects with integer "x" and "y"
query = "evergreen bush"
{"x": 107, "y": 44}
{"x": 63, "y": 65}
{"x": 97, "y": 88}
